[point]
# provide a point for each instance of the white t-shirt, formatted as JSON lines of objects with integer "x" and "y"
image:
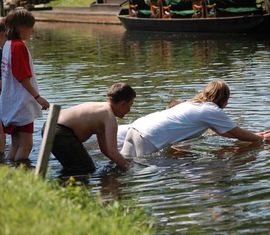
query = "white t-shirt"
{"x": 121, "y": 134}
{"x": 181, "y": 122}
{"x": 17, "y": 106}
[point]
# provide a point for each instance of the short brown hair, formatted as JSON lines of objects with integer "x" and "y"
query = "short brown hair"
{"x": 121, "y": 92}
{"x": 216, "y": 91}
{"x": 15, "y": 19}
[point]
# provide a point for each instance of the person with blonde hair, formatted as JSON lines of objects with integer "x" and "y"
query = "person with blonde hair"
{"x": 187, "y": 120}
{"x": 216, "y": 91}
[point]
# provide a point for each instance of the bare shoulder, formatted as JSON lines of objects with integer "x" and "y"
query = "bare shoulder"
{"x": 87, "y": 107}
{"x": 87, "y": 110}
{"x": 89, "y": 117}
{"x": 97, "y": 111}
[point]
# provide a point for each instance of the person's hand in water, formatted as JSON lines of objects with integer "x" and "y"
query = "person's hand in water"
{"x": 265, "y": 135}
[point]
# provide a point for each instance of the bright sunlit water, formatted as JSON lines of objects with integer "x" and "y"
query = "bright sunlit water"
{"x": 215, "y": 185}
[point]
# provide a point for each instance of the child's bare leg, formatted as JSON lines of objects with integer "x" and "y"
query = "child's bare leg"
{"x": 14, "y": 146}
{"x": 25, "y": 146}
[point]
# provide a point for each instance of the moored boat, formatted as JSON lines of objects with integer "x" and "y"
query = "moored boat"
{"x": 235, "y": 21}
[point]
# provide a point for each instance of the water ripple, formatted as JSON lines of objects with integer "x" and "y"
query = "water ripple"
{"x": 215, "y": 185}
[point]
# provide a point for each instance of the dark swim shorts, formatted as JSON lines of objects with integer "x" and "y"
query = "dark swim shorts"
{"x": 70, "y": 152}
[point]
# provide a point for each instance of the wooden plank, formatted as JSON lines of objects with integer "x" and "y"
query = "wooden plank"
{"x": 47, "y": 140}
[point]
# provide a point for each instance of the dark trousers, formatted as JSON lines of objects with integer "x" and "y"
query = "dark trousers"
{"x": 70, "y": 152}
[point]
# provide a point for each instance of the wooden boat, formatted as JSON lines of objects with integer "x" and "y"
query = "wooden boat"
{"x": 219, "y": 23}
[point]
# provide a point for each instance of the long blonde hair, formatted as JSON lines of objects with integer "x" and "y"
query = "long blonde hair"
{"x": 216, "y": 91}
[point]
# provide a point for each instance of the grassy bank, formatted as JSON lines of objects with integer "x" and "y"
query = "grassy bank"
{"x": 71, "y": 3}
{"x": 31, "y": 206}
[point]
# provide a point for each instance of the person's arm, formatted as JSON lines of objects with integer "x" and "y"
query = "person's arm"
{"x": 223, "y": 126}
{"x": 27, "y": 85}
{"x": 21, "y": 70}
{"x": 107, "y": 140}
{"x": 244, "y": 135}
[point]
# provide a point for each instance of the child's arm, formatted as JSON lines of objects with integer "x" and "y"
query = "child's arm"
{"x": 245, "y": 135}
{"x": 27, "y": 85}
{"x": 22, "y": 71}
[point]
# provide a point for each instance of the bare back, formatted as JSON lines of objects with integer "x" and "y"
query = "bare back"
{"x": 88, "y": 118}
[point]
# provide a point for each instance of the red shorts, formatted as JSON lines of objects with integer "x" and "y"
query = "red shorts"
{"x": 11, "y": 129}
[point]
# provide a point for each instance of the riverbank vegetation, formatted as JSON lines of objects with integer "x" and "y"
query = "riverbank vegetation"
{"x": 71, "y": 3}
{"x": 30, "y": 206}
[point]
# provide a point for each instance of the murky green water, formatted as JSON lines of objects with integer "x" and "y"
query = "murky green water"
{"x": 216, "y": 186}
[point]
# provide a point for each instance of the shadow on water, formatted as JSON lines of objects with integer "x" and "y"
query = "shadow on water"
{"x": 210, "y": 185}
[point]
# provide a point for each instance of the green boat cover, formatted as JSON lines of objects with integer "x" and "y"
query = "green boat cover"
{"x": 182, "y": 13}
{"x": 239, "y": 9}
{"x": 144, "y": 12}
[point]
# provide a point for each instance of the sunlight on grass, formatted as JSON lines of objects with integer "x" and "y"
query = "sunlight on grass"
{"x": 71, "y": 3}
{"x": 31, "y": 206}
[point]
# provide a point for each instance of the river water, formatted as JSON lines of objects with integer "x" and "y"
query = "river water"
{"x": 214, "y": 185}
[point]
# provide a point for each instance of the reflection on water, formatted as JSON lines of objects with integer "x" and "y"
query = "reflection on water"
{"x": 209, "y": 185}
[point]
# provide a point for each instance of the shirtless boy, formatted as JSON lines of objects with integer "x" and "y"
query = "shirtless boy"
{"x": 76, "y": 124}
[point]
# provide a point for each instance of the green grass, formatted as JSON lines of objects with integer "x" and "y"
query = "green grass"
{"x": 30, "y": 206}
{"x": 71, "y": 3}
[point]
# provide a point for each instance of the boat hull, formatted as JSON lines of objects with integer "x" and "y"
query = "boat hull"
{"x": 236, "y": 24}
